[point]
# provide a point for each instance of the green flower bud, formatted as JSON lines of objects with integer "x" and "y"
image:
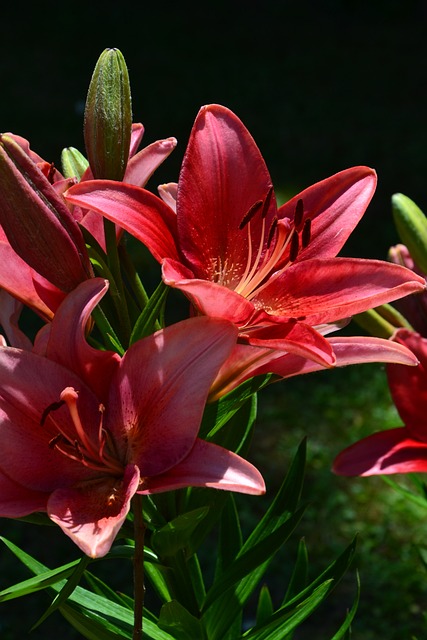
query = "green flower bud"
{"x": 74, "y": 164}
{"x": 108, "y": 117}
{"x": 411, "y": 225}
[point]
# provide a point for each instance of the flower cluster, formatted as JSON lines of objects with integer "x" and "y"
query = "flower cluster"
{"x": 105, "y": 400}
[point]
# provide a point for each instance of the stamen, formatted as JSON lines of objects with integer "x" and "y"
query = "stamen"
{"x": 52, "y": 407}
{"x": 271, "y": 232}
{"x": 294, "y": 248}
{"x": 70, "y": 395}
{"x": 299, "y": 213}
{"x": 54, "y": 441}
{"x": 251, "y": 213}
{"x": 306, "y": 233}
{"x": 267, "y": 201}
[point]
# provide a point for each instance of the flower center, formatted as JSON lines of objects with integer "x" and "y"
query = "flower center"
{"x": 283, "y": 238}
{"x": 96, "y": 455}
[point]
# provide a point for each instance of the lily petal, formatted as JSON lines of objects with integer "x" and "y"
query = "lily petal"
{"x": 335, "y": 206}
{"x": 208, "y": 465}
{"x": 141, "y": 167}
{"x": 123, "y": 203}
{"x": 385, "y": 452}
{"x": 327, "y": 290}
{"x": 160, "y": 407}
{"x": 223, "y": 176}
{"x": 67, "y": 342}
{"x": 17, "y": 501}
{"x": 92, "y": 514}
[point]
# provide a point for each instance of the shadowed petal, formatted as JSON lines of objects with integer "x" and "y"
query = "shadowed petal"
{"x": 409, "y": 386}
{"x": 92, "y": 514}
{"x": 385, "y": 452}
{"x": 17, "y": 501}
{"x": 156, "y": 410}
{"x": 67, "y": 342}
{"x": 208, "y": 465}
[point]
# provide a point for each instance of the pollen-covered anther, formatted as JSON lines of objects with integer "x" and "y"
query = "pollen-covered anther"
{"x": 299, "y": 215}
{"x": 253, "y": 210}
{"x": 294, "y": 248}
{"x": 306, "y": 233}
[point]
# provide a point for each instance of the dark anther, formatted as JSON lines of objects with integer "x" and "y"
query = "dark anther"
{"x": 52, "y": 407}
{"x": 299, "y": 213}
{"x": 293, "y": 252}
{"x": 267, "y": 202}
{"x": 306, "y": 233}
{"x": 271, "y": 232}
{"x": 250, "y": 214}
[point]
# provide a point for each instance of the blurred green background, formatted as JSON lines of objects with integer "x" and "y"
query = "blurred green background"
{"x": 321, "y": 86}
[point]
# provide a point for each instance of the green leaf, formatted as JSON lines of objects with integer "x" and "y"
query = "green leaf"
{"x": 230, "y": 537}
{"x": 342, "y": 631}
{"x": 41, "y": 581}
{"x": 66, "y": 590}
{"x": 176, "y": 533}
{"x": 299, "y": 576}
{"x": 100, "y": 588}
{"x": 285, "y": 624}
{"x": 264, "y": 607}
{"x": 148, "y": 321}
{"x": 181, "y": 624}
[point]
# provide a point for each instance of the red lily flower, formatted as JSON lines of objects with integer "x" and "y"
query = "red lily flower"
{"x": 83, "y": 430}
{"x": 236, "y": 256}
{"x": 403, "y": 449}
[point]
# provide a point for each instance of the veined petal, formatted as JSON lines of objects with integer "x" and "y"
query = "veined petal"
{"x": 294, "y": 337}
{"x": 159, "y": 391}
{"x": 208, "y": 465}
{"x": 335, "y": 206}
{"x": 92, "y": 514}
{"x": 141, "y": 213}
{"x": 408, "y": 386}
{"x": 67, "y": 343}
{"x": 327, "y": 290}
{"x": 141, "y": 166}
{"x": 247, "y": 361}
{"x": 385, "y": 452}
{"x": 208, "y": 298}
{"x": 222, "y": 176}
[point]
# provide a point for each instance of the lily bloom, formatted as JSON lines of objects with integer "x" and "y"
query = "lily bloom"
{"x": 403, "y": 449}
{"x": 82, "y": 430}
{"x": 225, "y": 244}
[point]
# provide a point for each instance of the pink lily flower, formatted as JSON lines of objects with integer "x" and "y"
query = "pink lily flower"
{"x": 403, "y": 449}
{"x": 235, "y": 255}
{"x": 82, "y": 430}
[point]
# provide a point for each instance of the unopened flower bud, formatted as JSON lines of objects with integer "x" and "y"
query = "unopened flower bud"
{"x": 37, "y": 222}
{"x": 108, "y": 117}
{"x": 411, "y": 225}
{"x": 74, "y": 164}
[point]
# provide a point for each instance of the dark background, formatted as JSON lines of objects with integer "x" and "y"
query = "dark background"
{"x": 322, "y": 85}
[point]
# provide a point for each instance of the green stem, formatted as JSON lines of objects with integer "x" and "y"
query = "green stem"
{"x": 138, "y": 567}
{"x": 117, "y": 293}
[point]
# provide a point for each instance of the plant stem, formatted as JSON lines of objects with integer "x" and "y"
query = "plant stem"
{"x": 138, "y": 567}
